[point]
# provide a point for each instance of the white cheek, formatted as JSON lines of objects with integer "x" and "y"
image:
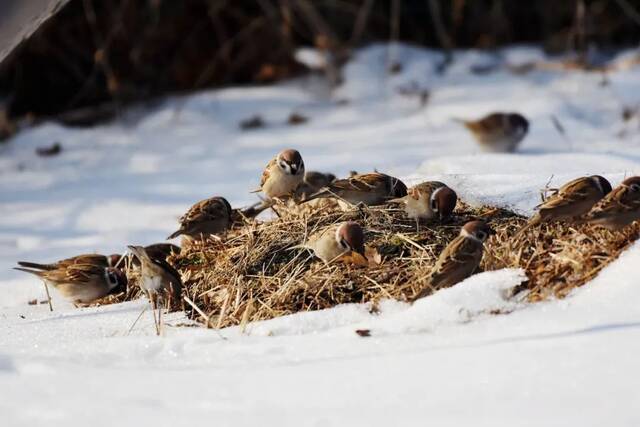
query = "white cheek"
{"x": 285, "y": 168}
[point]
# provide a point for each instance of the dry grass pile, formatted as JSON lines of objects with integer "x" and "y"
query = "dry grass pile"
{"x": 254, "y": 274}
{"x": 557, "y": 257}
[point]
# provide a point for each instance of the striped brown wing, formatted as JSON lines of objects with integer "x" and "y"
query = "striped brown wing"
{"x": 364, "y": 182}
{"x": 577, "y": 191}
{"x": 76, "y": 273}
{"x": 457, "y": 262}
{"x": 206, "y": 210}
{"x": 87, "y": 259}
{"x": 266, "y": 171}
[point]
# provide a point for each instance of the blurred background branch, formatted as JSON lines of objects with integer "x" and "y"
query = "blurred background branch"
{"x": 96, "y": 55}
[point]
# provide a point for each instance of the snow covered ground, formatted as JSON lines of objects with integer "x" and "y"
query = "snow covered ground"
{"x": 445, "y": 361}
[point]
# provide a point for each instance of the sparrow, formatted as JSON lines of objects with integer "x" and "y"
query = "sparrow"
{"x": 619, "y": 208}
{"x": 312, "y": 183}
{"x": 209, "y": 216}
{"x": 571, "y": 201}
{"x": 283, "y": 175}
{"x": 459, "y": 259}
{"x": 428, "y": 200}
{"x": 498, "y": 132}
{"x": 336, "y": 241}
{"x": 81, "y": 279}
{"x": 369, "y": 189}
{"x": 158, "y": 278}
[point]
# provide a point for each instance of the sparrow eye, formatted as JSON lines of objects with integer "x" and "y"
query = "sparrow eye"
{"x": 634, "y": 187}
{"x": 481, "y": 235}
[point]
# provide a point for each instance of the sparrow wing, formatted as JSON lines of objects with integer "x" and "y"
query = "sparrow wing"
{"x": 458, "y": 260}
{"x": 94, "y": 259}
{"x": 267, "y": 171}
{"x": 577, "y": 191}
{"x": 205, "y": 210}
{"x": 75, "y": 273}
{"x": 172, "y": 273}
{"x": 91, "y": 259}
{"x": 364, "y": 182}
{"x": 161, "y": 250}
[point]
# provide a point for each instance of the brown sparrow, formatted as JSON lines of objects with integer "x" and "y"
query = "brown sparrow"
{"x": 209, "y": 216}
{"x": 428, "y": 200}
{"x": 81, "y": 279}
{"x": 369, "y": 189}
{"x": 337, "y": 241}
{"x": 498, "y": 132}
{"x": 283, "y": 175}
{"x": 158, "y": 278}
{"x": 571, "y": 201}
{"x": 619, "y": 208}
{"x": 312, "y": 183}
{"x": 459, "y": 259}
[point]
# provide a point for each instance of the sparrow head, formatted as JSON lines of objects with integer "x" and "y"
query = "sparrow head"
{"x": 632, "y": 183}
{"x": 443, "y": 201}
{"x": 350, "y": 237}
{"x": 518, "y": 123}
{"x": 290, "y": 161}
{"x": 478, "y": 230}
{"x": 602, "y": 184}
{"x": 115, "y": 278}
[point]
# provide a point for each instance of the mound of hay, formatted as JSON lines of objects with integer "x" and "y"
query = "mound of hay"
{"x": 254, "y": 274}
{"x": 557, "y": 257}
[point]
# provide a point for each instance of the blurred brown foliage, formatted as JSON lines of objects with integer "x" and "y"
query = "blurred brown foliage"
{"x": 113, "y": 52}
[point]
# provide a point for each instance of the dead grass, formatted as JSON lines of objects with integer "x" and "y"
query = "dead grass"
{"x": 253, "y": 274}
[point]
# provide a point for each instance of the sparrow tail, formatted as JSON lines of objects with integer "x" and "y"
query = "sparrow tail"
{"x": 176, "y": 234}
{"x": 36, "y": 265}
{"x": 256, "y": 209}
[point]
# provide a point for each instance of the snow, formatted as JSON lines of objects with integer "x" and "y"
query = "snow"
{"x": 468, "y": 355}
